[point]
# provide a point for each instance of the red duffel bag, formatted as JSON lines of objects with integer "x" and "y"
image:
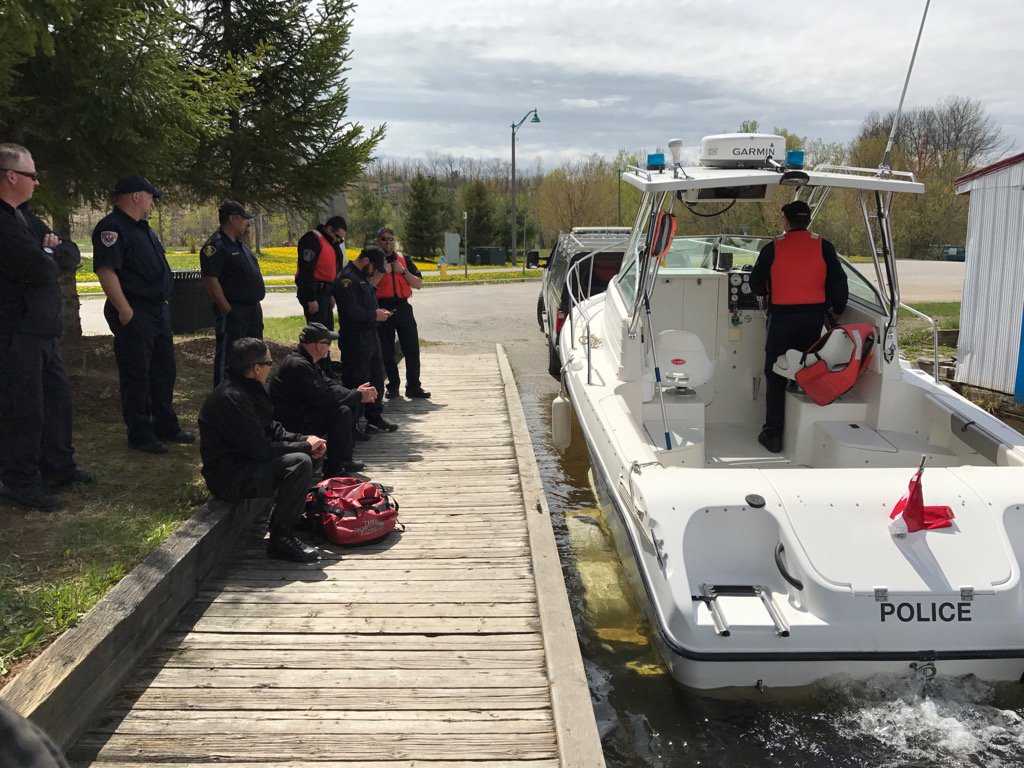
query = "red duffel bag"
{"x": 351, "y": 511}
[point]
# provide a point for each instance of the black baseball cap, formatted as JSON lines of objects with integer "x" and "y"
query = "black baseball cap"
{"x": 798, "y": 212}
{"x": 315, "y": 332}
{"x": 376, "y": 256}
{"x": 234, "y": 208}
{"x": 135, "y": 183}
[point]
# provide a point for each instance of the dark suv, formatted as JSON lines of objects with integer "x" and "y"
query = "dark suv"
{"x": 594, "y": 276}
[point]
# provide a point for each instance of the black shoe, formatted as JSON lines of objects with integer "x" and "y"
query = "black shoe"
{"x": 380, "y": 424}
{"x": 391, "y": 392}
{"x": 420, "y": 393}
{"x": 183, "y": 437}
{"x": 152, "y": 446}
{"x": 770, "y": 441}
{"x": 70, "y": 477}
{"x": 359, "y": 435}
{"x": 284, "y": 546}
{"x": 31, "y": 497}
{"x": 349, "y": 466}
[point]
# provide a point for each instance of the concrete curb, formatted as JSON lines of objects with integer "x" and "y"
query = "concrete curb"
{"x": 68, "y": 684}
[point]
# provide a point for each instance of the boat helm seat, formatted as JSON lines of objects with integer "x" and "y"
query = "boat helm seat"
{"x": 835, "y": 353}
{"x": 683, "y": 361}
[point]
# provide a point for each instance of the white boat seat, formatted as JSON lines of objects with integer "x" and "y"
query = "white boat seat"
{"x": 835, "y": 352}
{"x": 682, "y": 359}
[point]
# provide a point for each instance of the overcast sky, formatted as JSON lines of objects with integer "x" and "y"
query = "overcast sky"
{"x": 451, "y": 76}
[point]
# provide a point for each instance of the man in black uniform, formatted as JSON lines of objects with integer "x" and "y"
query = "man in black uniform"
{"x": 801, "y": 274}
{"x": 306, "y": 399}
{"x": 394, "y": 290}
{"x": 129, "y": 261}
{"x": 358, "y": 315}
{"x": 232, "y": 278}
{"x": 248, "y": 455}
{"x": 321, "y": 257}
{"x": 35, "y": 394}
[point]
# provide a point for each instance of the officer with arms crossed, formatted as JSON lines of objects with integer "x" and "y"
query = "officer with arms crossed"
{"x": 35, "y": 394}
{"x": 232, "y": 278}
{"x": 131, "y": 266}
{"x": 306, "y": 399}
{"x": 248, "y": 455}
{"x": 800, "y": 273}
{"x": 358, "y": 316}
{"x": 393, "y": 291}
{"x": 321, "y": 257}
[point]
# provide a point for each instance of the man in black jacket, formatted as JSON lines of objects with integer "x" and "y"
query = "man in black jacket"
{"x": 248, "y": 455}
{"x": 321, "y": 255}
{"x": 358, "y": 315}
{"x": 35, "y": 394}
{"x": 801, "y": 275}
{"x": 306, "y": 399}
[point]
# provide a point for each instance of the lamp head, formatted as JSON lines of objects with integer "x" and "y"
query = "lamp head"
{"x": 536, "y": 117}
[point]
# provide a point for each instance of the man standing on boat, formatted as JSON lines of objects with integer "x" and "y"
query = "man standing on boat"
{"x": 800, "y": 274}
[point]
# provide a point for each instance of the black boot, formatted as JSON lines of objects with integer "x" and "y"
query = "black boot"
{"x": 284, "y": 546}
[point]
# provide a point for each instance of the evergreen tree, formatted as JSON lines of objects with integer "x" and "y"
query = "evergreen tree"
{"x": 290, "y": 144}
{"x": 368, "y": 212}
{"x": 480, "y": 205}
{"x": 428, "y": 209}
{"x": 100, "y": 93}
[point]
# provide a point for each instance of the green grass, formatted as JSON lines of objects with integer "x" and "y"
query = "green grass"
{"x": 54, "y": 567}
{"x": 915, "y": 334}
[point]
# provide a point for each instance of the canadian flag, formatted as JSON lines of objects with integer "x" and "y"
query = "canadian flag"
{"x": 910, "y": 514}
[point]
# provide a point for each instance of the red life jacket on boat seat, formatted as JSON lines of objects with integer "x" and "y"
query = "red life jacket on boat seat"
{"x": 831, "y": 366}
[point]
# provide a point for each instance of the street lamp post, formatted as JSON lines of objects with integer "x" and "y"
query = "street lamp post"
{"x": 515, "y": 127}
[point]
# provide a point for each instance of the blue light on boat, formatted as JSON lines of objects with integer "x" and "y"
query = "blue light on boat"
{"x": 795, "y": 158}
{"x": 656, "y": 161}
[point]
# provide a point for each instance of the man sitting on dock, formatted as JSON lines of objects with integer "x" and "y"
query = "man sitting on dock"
{"x": 248, "y": 455}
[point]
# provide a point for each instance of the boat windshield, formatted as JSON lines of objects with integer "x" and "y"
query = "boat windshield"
{"x": 705, "y": 252}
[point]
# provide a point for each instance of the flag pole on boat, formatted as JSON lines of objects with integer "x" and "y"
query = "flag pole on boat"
{"x": 884, "y": 168}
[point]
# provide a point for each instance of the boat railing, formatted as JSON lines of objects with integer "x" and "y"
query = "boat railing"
{"x": 572, "y": 282}
{"x": 935, "y": 338}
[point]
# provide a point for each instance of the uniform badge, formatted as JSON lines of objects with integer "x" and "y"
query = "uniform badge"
{"x": 345, "y": 282}
{"x": 308, "y": 255}
{"x": 108, "y": 238}
{"x": 209, "y": 250}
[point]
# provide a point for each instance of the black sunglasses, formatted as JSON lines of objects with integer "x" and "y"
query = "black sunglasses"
{"x": 264, "y": 362}
{"x": 386, "y": 239}
{"x": 34, "y": 175}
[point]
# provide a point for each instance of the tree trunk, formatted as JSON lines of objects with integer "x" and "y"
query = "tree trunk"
{"x": 70, "y": 304}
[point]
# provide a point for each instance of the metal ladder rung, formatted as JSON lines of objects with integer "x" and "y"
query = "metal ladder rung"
{"x": 709, "y": 594}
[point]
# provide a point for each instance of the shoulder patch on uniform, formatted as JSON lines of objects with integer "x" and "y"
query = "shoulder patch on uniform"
{"x": 345, "y": 282}
{"x": 308, "y": 255}
{"x": 209, "y": 250}
{"x": 108, "y": 238}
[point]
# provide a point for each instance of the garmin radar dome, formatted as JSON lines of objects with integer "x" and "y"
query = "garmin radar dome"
{"x": 742, "y": 150}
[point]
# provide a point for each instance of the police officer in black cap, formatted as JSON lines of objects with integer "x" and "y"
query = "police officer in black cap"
{"x": 129, "y": 261}
{"x": 232, "y": 278}
{"x": 321, "y": 257}
{"x": 803, "y": 279}
{"x": 36, "y": 453}
{"x": 358, "y": 315}
{"x": 308, "y": 400}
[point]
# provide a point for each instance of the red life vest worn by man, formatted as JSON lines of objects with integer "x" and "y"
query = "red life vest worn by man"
{"x": 400, "y": 279}
{"x": 321, "y": 256}
{"x": 800, "y": 273}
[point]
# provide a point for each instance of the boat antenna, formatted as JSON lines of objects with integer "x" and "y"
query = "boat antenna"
{"x": 885, "y": 168}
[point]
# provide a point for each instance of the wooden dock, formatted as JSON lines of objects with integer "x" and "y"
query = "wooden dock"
{"x": 447, "y": 646}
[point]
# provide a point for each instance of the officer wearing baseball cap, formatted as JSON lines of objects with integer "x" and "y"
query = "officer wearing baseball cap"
{"x": 358, "y": 314}
{"x": 234, "y": 283}
{"x": 308, "y": 400}
{"x": 803, "y": 279}
{"x": 129, "y": 261}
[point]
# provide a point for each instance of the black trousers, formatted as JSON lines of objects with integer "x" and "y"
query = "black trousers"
{"x": 35, "y": 410}
{"x": 243, "y": 321}
{"x": 360, "y": 363}
{"x": 402, "y": 322}
{"x": 324, "y": 312}
{"x": 144, "y": 350}
{"x": 287, "y": 479}
{"x": 334, "y": 427}
{"x": 796, "y": 330}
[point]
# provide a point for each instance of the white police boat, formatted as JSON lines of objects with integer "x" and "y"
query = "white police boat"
{"x": 773, "y": 570}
